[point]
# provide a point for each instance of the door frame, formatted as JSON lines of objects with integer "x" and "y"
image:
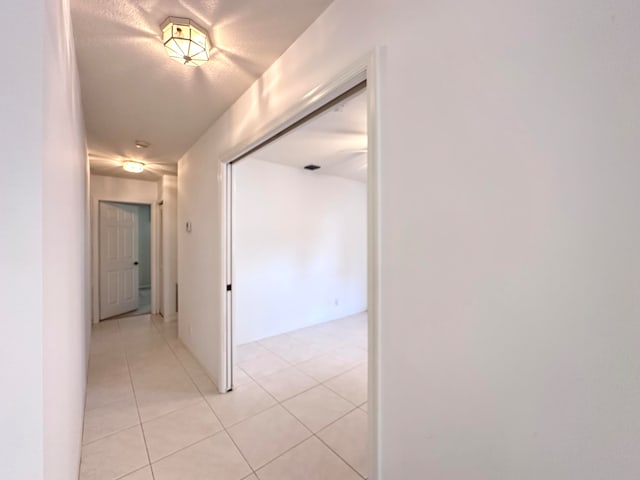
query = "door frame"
{"x": 95, "y": 249}
{"x": 160, "y": 263}
{"x": 365, "y": 70}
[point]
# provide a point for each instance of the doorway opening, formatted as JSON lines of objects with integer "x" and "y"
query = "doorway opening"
{"x": 298, "y": 273}
{"x": 124, "y": 244}
{"x": 321, "y": 97}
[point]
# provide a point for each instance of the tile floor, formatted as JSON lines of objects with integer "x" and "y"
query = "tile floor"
{"x": 144, "y": 300}
{"x": 298, "y": 411}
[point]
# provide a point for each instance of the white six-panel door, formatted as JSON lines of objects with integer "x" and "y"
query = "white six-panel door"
{"x": 118, "y": 259}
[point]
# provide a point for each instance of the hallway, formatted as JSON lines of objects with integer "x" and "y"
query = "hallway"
{"x": 298, "y": 410}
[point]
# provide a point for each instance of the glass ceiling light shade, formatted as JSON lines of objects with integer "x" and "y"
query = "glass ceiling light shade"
{"x": 185, "y": 41}
{"x": 133, "y": 166}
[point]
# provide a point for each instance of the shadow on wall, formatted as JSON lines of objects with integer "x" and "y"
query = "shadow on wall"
{"x": 299, "y": 249}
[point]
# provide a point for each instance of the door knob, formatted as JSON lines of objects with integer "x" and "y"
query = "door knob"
{"x": 135, "y": 263}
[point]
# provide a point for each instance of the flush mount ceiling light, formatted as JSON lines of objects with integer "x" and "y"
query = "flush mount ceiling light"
{"x": 185, "y": 41}
{"x": 133, "y": 166}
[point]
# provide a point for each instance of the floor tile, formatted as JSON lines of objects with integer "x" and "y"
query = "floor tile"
{"x": 278, "y": 342}
{"x": 352, "y": 385}
{"x": 153, "y": 376}
{"x": 267, "y": 435}
{"x": 351, "y": 353}
{"x": 311, "y": 460}
{"x": 318, "y": 407}
{"x": 110, "y": 363}
{"x": 248, "y": 351}
{"x": 108, "y": 390}
{"x": 105, "y": 420}
{"x": 187, "y": 360}
{"x": 316, "y": 339}
{"x": 169, "y": 330}
{"x": 240, "y": 404}
{"x": 240, "y": 377}
{"x": 144, "y": 356}
{"x": 287, "y": 383}
{"x": 144, "y": 474}
{"x": 348, "y": 438}
{"x": 141, "y": 336}
{"x": 179, "y": 429}
{"x": 264, "y": 364}
{"x": 290, "y": 349}
{"x": 325, "y": 367}
{"x": 300, "y": 352}
{"x": 114, "y": 456}
{"x": 105, "y": 343}
{"x": 105, "y": 326}
{"x": 160, "y": 357}
{"x": 213, "y": 458}
{"x": 359, "y": 340}
{"x": 204, "y": 383}
{"x": 138, "y": 322}
{"x": 159, "y": 396}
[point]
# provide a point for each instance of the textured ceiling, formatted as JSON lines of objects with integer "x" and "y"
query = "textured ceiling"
{"x": 131, "y": 90}
{"x": 335, "y": 140}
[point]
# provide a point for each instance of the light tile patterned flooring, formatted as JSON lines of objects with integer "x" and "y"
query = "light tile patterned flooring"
{"x": 298, "y": 411}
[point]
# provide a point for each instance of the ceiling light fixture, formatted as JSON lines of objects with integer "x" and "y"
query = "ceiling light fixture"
{"x": 133, "y": 166}
{"x": 185, "y": 41}
{"x": 142, "y": 144}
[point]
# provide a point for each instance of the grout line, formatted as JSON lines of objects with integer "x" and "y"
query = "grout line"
{"x": 313, "y": 434}
{"x": 224, "y": 428}
{"x": 286, "y": 451}
{"x": 250, "y": 416}
{"x": 128, "y": 427}
{"x": 241, "y": 453}
{"x": 136, "y": 471}
{"x": 86, "y": 393}
{"x": 345, "y": 398}
{"x": 153, "y": 419}
{"x": 327, "y": 425}
{"x": 299, "y": 393}
{"x": 157, "y": 460}
{"x": 203, "y": 397}
{"x": 144, "y": 438}
{"x": 339, "y": 456}
{"x": 291, "y": 448}
{"x": 254, "y": 379}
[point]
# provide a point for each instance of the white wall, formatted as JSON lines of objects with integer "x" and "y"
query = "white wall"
{"x": 21, "y": 255}
{"x": 67, "y": 313}
{"x": 299, "y": 248}
{"x": 510, "y": 223}
{"x": 44, "y": 274}
{"x": 118, "y": 189}
{"x": 169, "y": 197}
